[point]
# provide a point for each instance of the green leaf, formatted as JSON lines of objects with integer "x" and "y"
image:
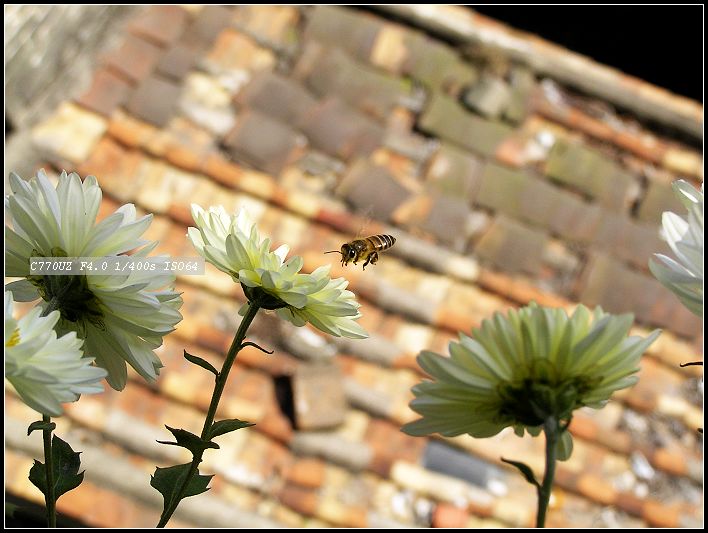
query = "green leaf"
{"x": 65, "y": 467}
{"x": 200, "y": 362}
{"x": 11, "y": 509}
{"x": 525, "y": 471}
{"x": 564, "y": 446}
{"x": 192, "y": 442}
{"x": 40, "y": 425}
{"x": 167, "y": 481}
{"x": 227, "y": 426}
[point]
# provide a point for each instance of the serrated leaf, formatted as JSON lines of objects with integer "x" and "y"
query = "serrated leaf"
{"x": 167, "y": 481}
{"x": 192, "y": 442}
{"x": 525, "y": 471}
{"x": 40, "y": 425}
{"x": 227, "y": 426}
{"x": 200, "y": 362}
{"x": 65, "y": 467}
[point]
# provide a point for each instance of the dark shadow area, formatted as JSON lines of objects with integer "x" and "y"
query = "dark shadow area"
{"x": 662, "y": 45}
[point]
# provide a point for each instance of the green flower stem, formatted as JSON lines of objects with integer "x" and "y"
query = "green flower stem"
{"x": 236, "y": 346}
{"x": 551, "y": 430}
{"x": 52, "y": 305}
{"x": 49, "y": 497}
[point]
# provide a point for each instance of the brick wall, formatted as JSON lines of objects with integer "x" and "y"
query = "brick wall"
{"x": 49, "y": 54}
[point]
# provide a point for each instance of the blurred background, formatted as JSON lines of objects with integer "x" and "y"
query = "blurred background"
{"x": 509, "y": 168}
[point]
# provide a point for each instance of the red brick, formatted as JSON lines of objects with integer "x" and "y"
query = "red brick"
{"x": 263, "y": 143}
{"x": 107, "y": 92}
{"x": 630, "y": 503}
{"x": 670, "y": 461}
{"x": 280, "y": 97}
{"x": 340, "y": 131}
{"x": 447, "y": 515}
{"x": 135, "y": 59}
{"x": 155, "y": 101}
{"x": 597, "y": 489}
{"x": 353, "y": 31}
{"x": 660, "y": 515}
{"x": 162, "y": 24}
{"x": 302, "y": 500}
{"x": 307, "y": 472}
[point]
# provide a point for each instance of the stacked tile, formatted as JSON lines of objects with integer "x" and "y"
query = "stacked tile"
{"x": 328, "y": 121}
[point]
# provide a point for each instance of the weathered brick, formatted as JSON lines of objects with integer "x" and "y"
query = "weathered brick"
{"x": 207, "y": 25}
{"x": 609, "y": 283}
{"x": 592, "y": 173}
{"x": 162, "y": 24}
{"x": 659, "y": 197}
{"x": 446, "y": 118}
{"x": 262, "y": 142}
{"x": 274, "y": 25}
{"x": 448, "y": 220}
{"x": 489, "y": 97}
{"x": 178, "y": 60}
{"x": 436, "y": 65}
{"x": 233, "y": 53}
{"x": 372, "y": 189}
{"x": 522, "y": 86}
{"x": 512, "y": 247}
{"x": 454, "y": 172}
{"x": 107, "y": 92}
{"x": 337, "y": 129}
{"x": 70, "y": 133}
{"x": 335, "y": 73}
{"x": 353, "y": 31}
{"x": 318, "y": 396}
{"x": 136, "y": 58}
{"x": 277, "y": 96}
{"x": 155, "y": 101}
{"x": 501, "y": 189}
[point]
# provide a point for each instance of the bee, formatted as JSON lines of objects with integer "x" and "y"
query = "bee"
{"x": 364, "y": 249}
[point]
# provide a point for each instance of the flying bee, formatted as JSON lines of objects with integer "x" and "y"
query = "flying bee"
{"x": 364, "y": 249}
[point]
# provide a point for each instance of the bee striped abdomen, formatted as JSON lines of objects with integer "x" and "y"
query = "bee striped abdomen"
{"x": 381, "y": 242}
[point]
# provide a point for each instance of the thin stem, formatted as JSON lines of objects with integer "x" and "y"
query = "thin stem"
{"x": 52, "y": 305}
{"x": 236, "y": 346}
{"x": 550, "y": 428}
{"x": 50, "y": 495}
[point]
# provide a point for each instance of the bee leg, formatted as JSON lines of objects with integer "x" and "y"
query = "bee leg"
{"x": 373, "y": 257}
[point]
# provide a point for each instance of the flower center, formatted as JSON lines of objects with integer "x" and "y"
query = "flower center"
{"x": 14, "y": 339}
{"x": 71, "y": 296}
{"x": 533, "y": 400}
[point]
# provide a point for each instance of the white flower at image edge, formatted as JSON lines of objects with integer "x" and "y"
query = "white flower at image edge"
{"x": 121, "y": 318}
{"x": 233, "y": 245}
{"x": 684, "y": 274}
{"x": 44, "y": 369}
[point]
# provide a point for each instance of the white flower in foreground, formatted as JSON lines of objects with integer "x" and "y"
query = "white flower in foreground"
{"x": 683, "y": 275}
{"x": 525, "y": 367}
{"x": 233, "y": 245}
{"x": 44, "y": 369}
{"x": 121, "y": 318}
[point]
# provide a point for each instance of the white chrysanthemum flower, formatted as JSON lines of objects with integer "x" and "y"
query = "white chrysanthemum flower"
{"x": 683, "y": 275}
{"x": 522, "y": 368}
{"x": 121, "y": 318}
{"x": 233, "y": 245}
{"x": 44, "y": 369}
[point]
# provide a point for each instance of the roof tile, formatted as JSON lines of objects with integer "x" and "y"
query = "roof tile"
{"x": 135, "y": 59}
{"x": 155, "y": 100}
{"x": 162, "y": 24}
{"x": 512, "y": 247}
{"x": 263, "y": 142}
{"x": 446, "y": 118}
{"x": 71, "y": 133}
{"x": 107, "y": 92}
